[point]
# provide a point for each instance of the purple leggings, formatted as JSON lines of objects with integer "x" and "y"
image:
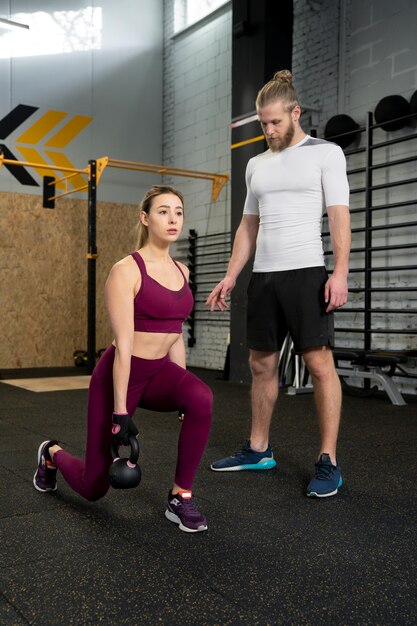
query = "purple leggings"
{"x": 159, "y": 385}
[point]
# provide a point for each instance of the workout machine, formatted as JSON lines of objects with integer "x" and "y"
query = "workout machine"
{"x": 92, "y": 175}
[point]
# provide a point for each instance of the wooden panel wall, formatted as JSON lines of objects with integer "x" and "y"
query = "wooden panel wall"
{"x": 43, "y": 286}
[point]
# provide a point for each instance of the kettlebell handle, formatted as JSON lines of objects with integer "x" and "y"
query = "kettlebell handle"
{"x": 134, "y": 451}
{"x": 125, "y": 473}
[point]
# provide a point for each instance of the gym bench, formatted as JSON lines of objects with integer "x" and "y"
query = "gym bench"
{"x": 368, "y": 365}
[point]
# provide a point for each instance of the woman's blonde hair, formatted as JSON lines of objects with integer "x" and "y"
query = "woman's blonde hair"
{"x": 279, "y": 88}
{"x": 145, "y": 205}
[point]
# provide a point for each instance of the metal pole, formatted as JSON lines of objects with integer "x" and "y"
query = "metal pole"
{"x": 192, "y": 238}
{"x": 91, "y": 267}
{"x": 368, "y": 235}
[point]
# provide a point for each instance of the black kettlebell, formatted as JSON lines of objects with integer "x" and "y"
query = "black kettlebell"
{"x": 125, "y": 473}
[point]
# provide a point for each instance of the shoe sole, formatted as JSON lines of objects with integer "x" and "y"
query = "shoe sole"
{"x": 174, "y": 518}
{"x": 314, "y": 494}
{"x": 264, "y": 465}
{"x": 34, "y": 478}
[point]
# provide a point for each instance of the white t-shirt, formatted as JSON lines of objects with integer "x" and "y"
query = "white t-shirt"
{"x": 288, "y": 190}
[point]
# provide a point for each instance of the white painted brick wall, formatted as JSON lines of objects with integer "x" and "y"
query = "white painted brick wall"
{"x": 197, "y": 116}
{"x": 383, "y": 52}
{"x": 315, "y": 58}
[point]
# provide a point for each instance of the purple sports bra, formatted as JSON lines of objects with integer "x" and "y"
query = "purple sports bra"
{"x": 158, "y": 309}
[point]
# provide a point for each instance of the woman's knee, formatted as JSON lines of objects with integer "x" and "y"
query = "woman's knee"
{"x": 95, "y": 492}
{"x": 199, "y": 397}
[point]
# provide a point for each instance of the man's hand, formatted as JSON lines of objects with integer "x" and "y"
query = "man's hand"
{"x": 219, "y": 294}
{"x": 335, "y": 292}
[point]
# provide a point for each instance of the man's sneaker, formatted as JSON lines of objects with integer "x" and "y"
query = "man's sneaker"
{"x": 327, "y": 479}
{"x": 45, "y": 476}
{"x": 181, "y": 510}
{"x": 246, "y": 459}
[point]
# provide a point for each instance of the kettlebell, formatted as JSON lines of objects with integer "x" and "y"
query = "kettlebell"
{"x": 125, "y": 473}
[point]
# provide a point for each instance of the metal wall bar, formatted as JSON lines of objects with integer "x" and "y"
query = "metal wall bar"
{"x": 368, "y": 236}
{"x": 200, "y": 283}
{"x": 368, "y": 250}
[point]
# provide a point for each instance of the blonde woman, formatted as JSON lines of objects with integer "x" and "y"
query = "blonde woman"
{"x": 148, "y": 299}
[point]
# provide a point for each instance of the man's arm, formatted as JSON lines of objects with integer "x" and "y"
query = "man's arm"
{"x": 336, "y": 289}
{"x": 243, "y": 248}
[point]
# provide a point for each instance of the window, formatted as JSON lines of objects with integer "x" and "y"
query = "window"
{"x": 57, "y": 32}
{"x": 187, "y": 12}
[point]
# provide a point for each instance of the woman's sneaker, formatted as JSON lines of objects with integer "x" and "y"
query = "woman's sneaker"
{"x": 45, "y": 476}
{"x": 181, "y": 510}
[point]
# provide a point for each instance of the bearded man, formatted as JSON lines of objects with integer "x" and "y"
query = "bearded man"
{"x": 290, "y": 290}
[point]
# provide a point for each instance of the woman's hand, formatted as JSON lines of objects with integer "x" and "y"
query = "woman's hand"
{"x": 122, "y": 427}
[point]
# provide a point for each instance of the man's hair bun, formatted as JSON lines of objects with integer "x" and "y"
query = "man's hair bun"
{"x": 283, "y": 76}
{"x": 280, "y": 87}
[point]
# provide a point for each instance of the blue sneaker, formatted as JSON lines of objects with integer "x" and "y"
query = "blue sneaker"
{"x": 246, "y": 459}
{"x": 327, "y": 479}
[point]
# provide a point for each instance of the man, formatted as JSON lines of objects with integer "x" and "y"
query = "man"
{"x": 290, "y": 290}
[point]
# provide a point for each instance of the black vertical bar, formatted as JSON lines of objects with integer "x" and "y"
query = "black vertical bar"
{"x": 368, "y": 234}
{"x": 48, "y": 192}
{"x": 261, "y": 45}
{"x": 192, "y": 238}
{"x": 91, "y": 267}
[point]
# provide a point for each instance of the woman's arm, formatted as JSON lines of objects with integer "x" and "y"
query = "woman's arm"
{"x": 177, "y": 352}
{"x": 119, "y": 296}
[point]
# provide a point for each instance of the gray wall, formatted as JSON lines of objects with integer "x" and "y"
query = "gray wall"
{"x": 348, "y": 54}
{"x": 104, "y": 63}
{"x": 382, "y": 52}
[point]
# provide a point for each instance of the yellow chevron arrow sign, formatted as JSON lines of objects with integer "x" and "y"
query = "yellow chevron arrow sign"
{"x": 38, "y": 132}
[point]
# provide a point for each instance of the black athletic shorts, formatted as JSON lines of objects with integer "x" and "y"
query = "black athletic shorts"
{"x": 288, "y": 302}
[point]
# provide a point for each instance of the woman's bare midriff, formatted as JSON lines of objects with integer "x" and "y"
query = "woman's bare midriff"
{"x": 152, "y": 346}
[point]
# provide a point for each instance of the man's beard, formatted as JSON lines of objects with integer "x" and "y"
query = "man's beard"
{"x": 280, "y": 143}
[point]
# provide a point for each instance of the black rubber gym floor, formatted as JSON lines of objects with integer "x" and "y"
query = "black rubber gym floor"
{"x": 270, "y": 556}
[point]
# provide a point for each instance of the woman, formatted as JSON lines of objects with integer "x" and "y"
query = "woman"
{"x": 147, "y": 298}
